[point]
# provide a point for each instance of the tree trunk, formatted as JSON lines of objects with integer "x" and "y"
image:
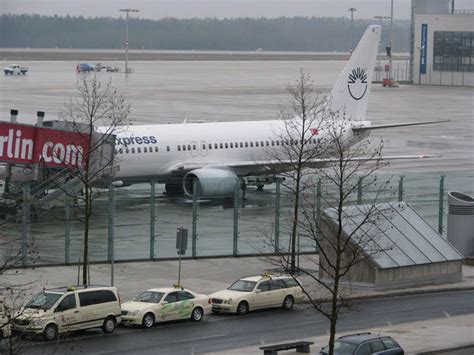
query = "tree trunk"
{"x": 295, "y": 225}
{"x": 87, "y": 208}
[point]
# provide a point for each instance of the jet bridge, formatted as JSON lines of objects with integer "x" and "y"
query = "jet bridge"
{"x": 51, "y": 158}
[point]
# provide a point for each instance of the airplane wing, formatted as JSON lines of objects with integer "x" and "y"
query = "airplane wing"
{"x": 267, "y": 166}
{"x": 393, "y": 125}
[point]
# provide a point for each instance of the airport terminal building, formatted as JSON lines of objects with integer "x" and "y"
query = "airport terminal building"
{"x": 442, "y": 50}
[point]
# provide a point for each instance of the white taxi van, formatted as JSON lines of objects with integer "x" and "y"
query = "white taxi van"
{"x": 165, "y": 304}
{"x": 256, "y": 292}
{"x": 65, "y": 309}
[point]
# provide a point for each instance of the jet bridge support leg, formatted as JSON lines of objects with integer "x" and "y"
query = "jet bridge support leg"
{"x": 24, "y": 223}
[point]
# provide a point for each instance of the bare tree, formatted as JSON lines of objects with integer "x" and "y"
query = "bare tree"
{"x": 97, "y": 105}
{"x": 295, "y": 142}
{"x": 346, "y": 162}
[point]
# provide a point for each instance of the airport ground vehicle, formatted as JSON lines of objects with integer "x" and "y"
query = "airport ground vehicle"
{"x": 255, "y": 292}
{"x": 365, "y": 344}
{"x": 84, "y": 68}
{"x": 65, "y": 309}
{"x": 165, "y": 304}
{"x": 15, "y": 69}
{"x": 110, "y": 69}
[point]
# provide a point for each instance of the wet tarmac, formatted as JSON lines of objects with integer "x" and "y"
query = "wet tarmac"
{"x": 170, "y": 91}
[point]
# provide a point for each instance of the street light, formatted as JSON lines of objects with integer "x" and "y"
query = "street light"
{"x": 390, "y": 76}
{"x": 352, "y": 10}
{"x": 127, "y": 11}
{"x": 380, "y": 18}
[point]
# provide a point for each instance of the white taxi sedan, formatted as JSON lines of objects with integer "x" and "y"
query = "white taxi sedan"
{"x": 165, "y": 304}
{"x": 256, "y": 292}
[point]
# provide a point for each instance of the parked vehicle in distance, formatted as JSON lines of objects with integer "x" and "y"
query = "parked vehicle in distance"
{"x": 84, "y": 68}
{"x": 5, "y": 326}
{"x": 15, "y": 69}
{"x": 110, "y": 69}
{"x": 98, "y": 67}
{"x": 65, "y": 309}
{"x": 365, "y": 344}
{"x": 165, "y": 304}
{"x": 256, "y": 292}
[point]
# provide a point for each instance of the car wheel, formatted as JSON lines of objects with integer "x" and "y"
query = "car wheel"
{"x": 109, "y": 325}
{"x": 148, "y": 320}
{"x": 242, "y": 308}
{"x": 50, "y": 332}
{"x": 196, "y": 314}
{"x": 288, "y": 302}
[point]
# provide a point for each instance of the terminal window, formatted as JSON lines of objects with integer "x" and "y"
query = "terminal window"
{"x": 453, "y": 51}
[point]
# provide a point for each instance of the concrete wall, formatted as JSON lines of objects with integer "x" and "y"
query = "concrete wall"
{"x": 440, "y": 23}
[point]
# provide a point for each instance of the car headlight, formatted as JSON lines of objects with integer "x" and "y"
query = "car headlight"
{"x": 134, "y": 313}
{"x": 229, "y": 301}
{"x": 36, "y": 322}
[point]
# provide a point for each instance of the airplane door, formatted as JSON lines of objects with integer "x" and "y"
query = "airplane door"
{"x": 194, "y": 149}
{"x": 204, "y": 148}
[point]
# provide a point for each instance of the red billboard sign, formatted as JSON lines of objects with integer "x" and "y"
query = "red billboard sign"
{"x": 23, "y": 144}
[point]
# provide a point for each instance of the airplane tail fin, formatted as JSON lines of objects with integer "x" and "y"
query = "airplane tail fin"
{"x": 351, "y": 91}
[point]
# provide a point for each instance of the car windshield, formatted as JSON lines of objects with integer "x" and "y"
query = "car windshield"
{"x": 149, "y": 297}
{"x": 341, "y": 348}
{"x": 243, "y": 286}
{"x": 44, "y": 300}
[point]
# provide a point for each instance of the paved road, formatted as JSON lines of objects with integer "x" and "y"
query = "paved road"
{"x": 221, "y": 332}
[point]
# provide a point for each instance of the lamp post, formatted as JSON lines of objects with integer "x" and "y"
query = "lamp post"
{"x": 390, "y": 76}
{"x": 380, "y": 18}
{"x": 127, "y": 11}
{"x": 352, "y": 10}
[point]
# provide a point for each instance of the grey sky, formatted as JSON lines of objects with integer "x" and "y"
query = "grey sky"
{"x": 155, "y": 9}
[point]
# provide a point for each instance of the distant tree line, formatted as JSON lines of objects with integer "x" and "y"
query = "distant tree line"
{"x": 278, "y": 34}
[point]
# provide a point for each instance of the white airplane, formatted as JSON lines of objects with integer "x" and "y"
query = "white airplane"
{"x": 217, "y": 153}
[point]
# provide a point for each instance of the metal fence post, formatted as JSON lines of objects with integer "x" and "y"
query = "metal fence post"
{"x": 111, "y": 239}
{"x": 359, "y": 191}
{"x": 152, "y": 219}
{"x": 400, "y": 189}
{"x": 24, "y": 222}
{"x": 235, "y": 249}
{"x": 195, "y": 217}
{"x": 67, "y": 226}
{"x": 277, "y": 217}
{"x": 441, "y": 204}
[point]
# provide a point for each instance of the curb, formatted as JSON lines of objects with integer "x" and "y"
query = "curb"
{"x": 446, "y": 350}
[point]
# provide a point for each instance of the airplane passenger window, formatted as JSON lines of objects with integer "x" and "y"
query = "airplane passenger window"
{"x": 261, "y": 144}
{"x": 203, "y": 146}
{"x": 179, "y": 148}
{"x": 226, "y": 145}
{"x": 215, "y": 146}
{"x": 167, "y": 148}
{"x": 246, "y": 144}
{"x": 231, "y": 145}
{"x": 145, "y": 150}
{"x": 236, "y": 144}
{"x": 156, "y": 149}
{"x": 194, "y": 146}
{"x": 121, "y": 151}
{"x": 287, "y": 143}
{"x": 189, "y": 146}
{"x": 241, "y": 145}
{"x": 251, "y": 144}
{"x": 210, "y": 146}
{"x": 126, "y": 150}
{"x": 273, "y": 143}
{"x": 138, "y": 150}
{"x": 256, "y": 143}
{"x": 277, "y": 142}
{"x": 221, "y": 145}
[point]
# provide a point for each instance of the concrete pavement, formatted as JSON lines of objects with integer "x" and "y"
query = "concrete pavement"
{"x": 416, "y": 337}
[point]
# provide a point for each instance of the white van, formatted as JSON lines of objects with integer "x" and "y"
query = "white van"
{"x": 61, "y": 310}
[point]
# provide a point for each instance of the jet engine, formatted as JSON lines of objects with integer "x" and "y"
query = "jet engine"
{"x": 212, "y": 182}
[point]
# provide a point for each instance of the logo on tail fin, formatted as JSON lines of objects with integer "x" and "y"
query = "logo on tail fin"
{"x": 357, "y": 83}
